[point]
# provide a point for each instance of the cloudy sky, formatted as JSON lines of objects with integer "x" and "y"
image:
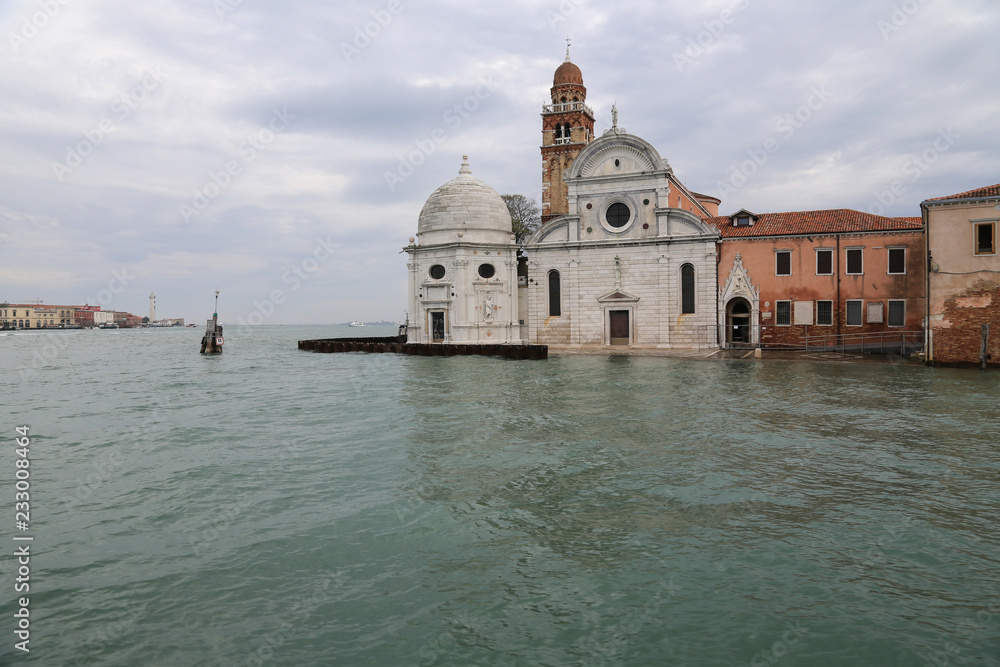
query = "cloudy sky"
{"x": 281, "y": 152}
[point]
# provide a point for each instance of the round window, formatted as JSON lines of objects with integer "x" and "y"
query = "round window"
{"x": 618, "y": 215}
{"x": 437, "y": 272}
{"x": 487, "y": 271}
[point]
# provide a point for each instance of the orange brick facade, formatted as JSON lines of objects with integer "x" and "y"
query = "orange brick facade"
{"x": 958, "y": 337}
{"x": 828, "y": 260}
{"x": 567, "y": 128}
{"x": 963, "y": 287}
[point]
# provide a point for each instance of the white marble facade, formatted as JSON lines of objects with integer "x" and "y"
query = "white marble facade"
{"x": 624, "y": 258}
{"x": 463, "y": 267}
{"x": 622, "y": 253}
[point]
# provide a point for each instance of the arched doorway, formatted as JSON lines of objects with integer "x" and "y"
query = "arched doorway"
{"x": 738, "y": 331}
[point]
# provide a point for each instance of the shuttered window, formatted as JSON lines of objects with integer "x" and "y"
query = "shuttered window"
{"x": 897, "y": 260}
{"x": 854, "y": 263}
{"x": 555, "y": 296}
{"x": 897, "y": 313}
{"x": 783, "y": 263}
{"x": 854, "y": 313}
{"x": 986, "y": 239}
{"x": 824, "y": 262}
{"x": 687, "y": 289}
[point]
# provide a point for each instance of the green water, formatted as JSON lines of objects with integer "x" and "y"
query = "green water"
{"x": 277, "y": 507}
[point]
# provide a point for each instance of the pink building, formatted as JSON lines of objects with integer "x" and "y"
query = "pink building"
{"x": 785, "y": 278}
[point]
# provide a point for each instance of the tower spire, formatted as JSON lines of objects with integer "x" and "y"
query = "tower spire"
{"x": 567, "y": 128}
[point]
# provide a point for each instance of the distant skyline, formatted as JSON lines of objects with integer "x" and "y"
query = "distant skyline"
{"x": 281, "y": 153}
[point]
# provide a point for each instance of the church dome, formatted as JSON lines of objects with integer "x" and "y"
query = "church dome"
{"x": 568, "y": 73}
{"x": 468, "y": 206}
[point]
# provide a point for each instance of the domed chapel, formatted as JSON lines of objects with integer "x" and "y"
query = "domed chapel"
{"x": 623, "y": 255}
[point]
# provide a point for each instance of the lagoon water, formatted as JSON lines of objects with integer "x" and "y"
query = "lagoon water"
{"x": 277, "y": 507}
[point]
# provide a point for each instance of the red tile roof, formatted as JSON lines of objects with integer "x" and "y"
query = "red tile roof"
{"x": 831, "y": 221}
{"x": 988, "y": 191}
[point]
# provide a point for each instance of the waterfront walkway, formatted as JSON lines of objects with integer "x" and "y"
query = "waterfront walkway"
{"x": 733, "y": 354}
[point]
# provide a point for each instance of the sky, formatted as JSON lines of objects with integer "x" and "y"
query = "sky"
{"x": 281, "y": 152}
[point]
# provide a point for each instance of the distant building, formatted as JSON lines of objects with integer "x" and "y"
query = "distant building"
{"x": 152, "y": 306}
{"x": 103, "y": 317}
{"x": 84, "y": 316}
{"x": 963, "y": 286}
{"x": 35, "y": 316}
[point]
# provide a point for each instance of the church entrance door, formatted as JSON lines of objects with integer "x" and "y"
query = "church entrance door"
{"x": 619, "y": 327}
{"x": 738, "y": 332}
{"x": 437, "y": 326}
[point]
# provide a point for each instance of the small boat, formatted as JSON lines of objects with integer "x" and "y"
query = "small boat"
{"x": 211, "y": 342}
{"x": 108, "y": 325}
{"x": 356, "y": 323}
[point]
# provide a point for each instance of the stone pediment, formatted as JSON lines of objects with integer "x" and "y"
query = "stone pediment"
{"x": 738, "y": 284}
{"x": 617, "y": 154}
{"x": 681, "y": 227}
{"x": 556, "y": 232}
{"x": 617, "y": 295}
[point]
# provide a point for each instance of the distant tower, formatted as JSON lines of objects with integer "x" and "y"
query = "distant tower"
{"x": 152, "y": 307}
{"x": 567, "y": 128}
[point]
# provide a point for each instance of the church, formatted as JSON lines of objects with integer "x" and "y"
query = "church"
{"x": 627, "y": 257}
{"x": 623, "y": 257}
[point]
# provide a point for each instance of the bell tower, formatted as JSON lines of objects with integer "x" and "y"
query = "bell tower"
{"x": 567, "y": 128}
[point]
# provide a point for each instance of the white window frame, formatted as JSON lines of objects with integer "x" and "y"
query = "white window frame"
{"x": 776, "y": 314}
{"x": 888, "y": 318}
{"x": 826, "y": 250}
{"x": 827, "y": 324}
{"x": 888, "y": 260}
{"x": 847, "y": 261}
{"x": 976, "y": 224}
{"x": 847, "y": 312}
{"x": 776, "y": 254}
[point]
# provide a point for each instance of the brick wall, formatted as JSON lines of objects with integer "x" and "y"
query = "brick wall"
{"x": 957, "y": 337}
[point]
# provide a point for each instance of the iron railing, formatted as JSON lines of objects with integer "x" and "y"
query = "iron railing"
{"x": 566, "y": 106}
{"x": 747, "y": 337}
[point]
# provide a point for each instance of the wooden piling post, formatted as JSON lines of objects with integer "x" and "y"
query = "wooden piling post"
{"x": 983, "y": 345}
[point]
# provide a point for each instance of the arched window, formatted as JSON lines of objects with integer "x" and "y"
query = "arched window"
{"x": 555, "y": 295}
{"x": 687, "y": 289}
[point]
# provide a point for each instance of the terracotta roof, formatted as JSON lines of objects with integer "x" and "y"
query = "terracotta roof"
{"x": 698, "y": 195}
{"x": 567, "y": 73}
{"x": 988, "y": 191}
{"x": 831, "y": 221}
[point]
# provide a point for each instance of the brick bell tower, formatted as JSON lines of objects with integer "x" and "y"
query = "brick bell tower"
{"x": 567, "y": 127}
